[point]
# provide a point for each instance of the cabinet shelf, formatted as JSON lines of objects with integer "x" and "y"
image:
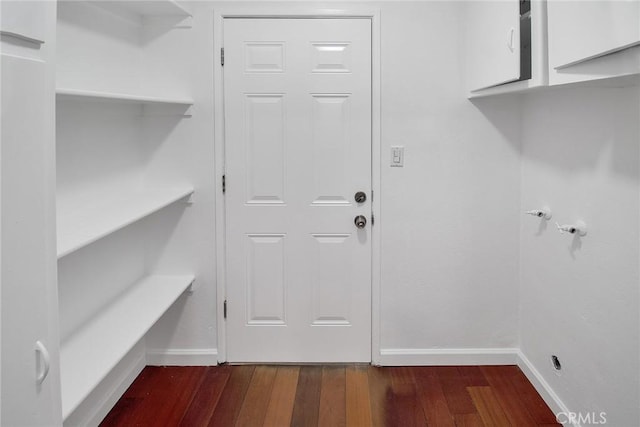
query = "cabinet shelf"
{"x": 89, "y": 95}
{"x": 93, "y": 351}
{"x": 149, "y": 8}
{"x": 81, "y": 226}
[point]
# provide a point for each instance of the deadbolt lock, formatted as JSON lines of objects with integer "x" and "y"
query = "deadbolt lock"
{"x": 360, "y": 221}
{"x": 360, "y": 197}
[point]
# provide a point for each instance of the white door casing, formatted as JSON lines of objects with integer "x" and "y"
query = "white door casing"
{"x": 297, "y": 149}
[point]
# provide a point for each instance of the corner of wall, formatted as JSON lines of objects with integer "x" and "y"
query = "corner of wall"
{"x": 521, "y": 107}
{"x": 541, "y": 385}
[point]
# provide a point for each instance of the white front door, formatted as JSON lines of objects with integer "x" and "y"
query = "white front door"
{"x": 297, "y": 150}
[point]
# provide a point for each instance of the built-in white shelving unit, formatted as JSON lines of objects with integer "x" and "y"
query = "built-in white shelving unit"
{"x": 82, "y": 225}
{"x": 116, "y": 167}
{"x": 89, "y": 95}
{"x": 88, "y": 355}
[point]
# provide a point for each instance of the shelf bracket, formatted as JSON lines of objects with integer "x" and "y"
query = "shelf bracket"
{"x": 190, "y": 288}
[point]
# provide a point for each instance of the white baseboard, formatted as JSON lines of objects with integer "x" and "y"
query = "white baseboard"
{"x": 447, "y": 356}
{"x": 97, "y": 405}
{"x": 542, "y": 386}
{"x": 182, "y": 357}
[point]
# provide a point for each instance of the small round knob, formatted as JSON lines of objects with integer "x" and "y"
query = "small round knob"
{"x": 360, "y": 221}
{"x": 360, "y": 197}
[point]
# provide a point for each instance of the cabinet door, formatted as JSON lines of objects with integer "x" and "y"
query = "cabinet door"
{"x": 493, "y": 31}
{"x": 28, "y": 284}
{"x": 27, "y": 256}
{"x": 580, "y": 31}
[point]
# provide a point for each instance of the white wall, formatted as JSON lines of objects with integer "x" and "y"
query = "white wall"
{"x": 450, "y": 217}
{"x": 182, "y": 149}
{"x": 579, "y": 296}
{"x": 454, "y": 241}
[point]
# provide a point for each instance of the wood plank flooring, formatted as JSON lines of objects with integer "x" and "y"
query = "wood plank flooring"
{"x": 331, "y": 396}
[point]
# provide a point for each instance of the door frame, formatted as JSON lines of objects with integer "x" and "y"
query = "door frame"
{"x": 297, "y": 11}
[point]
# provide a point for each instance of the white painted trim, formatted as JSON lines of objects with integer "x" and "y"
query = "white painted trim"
{"x": 447, "y": 356}
{"x": 218, "y": 101}
{"x": 182, "y": 357}
{"x": 298, "y": 11}
{"x": 541, "y": 385}
{"x": 376, "y": 185}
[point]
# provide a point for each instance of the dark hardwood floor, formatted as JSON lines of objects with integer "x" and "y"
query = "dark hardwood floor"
{"x": 331, "y": 396}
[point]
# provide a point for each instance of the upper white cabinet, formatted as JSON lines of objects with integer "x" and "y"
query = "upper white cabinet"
{"x": 581, "y": 31}
{"x": 561, "y": 42}
{"x": 593, "y": 40}
{"x": 494, "y": 50}
{"x": 506, "y": 45}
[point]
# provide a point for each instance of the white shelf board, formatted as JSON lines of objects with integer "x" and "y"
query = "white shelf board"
{"x": 89, "y": 95}
{"x": 93, "y": 351}
{"x": 507, "y": 88}
{"x": 79, "y": 226}
{"x": 150, "y": 7}
{"x": 524, "y": 88}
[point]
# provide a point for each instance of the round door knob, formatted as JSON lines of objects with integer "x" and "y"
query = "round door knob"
{"x": 360, "y": 221}
{"x": 360, "y": 197}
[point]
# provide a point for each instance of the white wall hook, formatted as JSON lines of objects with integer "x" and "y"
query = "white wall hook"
{"x": 579, "y": 228}
{"x": 544, "y": 213}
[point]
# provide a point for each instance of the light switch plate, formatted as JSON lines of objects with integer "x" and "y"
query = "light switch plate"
{"x": 397, "y": 156}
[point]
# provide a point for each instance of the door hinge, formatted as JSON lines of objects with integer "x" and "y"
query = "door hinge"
{"x": 222, "y": 56}
{"x": 224, "y": 184}
{"x": 224, "y": 310}
{"x": 373, "y": 219}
